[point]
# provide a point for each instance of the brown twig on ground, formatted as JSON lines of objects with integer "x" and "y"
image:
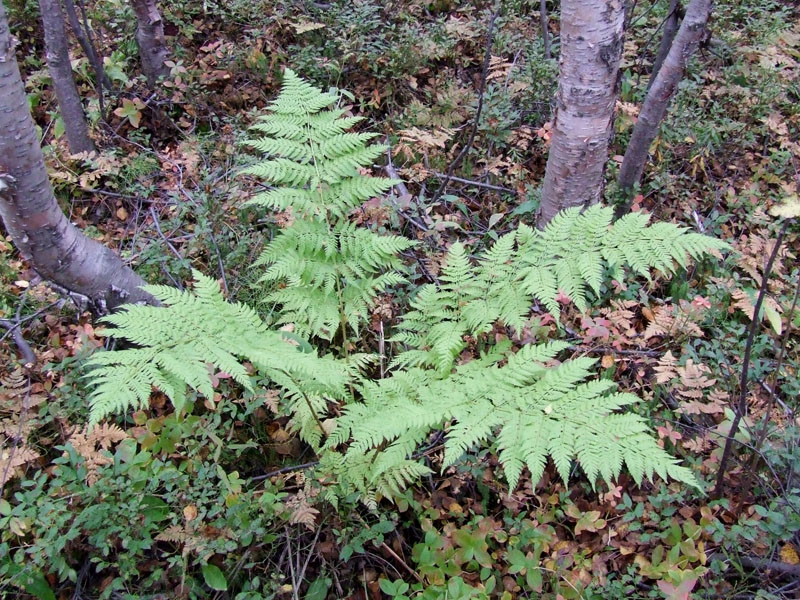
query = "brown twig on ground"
{"x": 488, "y": 186}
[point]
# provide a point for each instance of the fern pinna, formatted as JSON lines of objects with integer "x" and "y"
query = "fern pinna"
{"x": 321, "y": 270}
{"x": 530, "y": 403}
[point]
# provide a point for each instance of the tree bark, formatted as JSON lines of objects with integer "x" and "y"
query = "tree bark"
{"x": 671, "y": 24}
{"x": 56, "y": 249}
{"x": 58, "y": 63}
{"x": 666, "y": 82}
{"x": 591, "y": 46}
{"x": 150, "y": 37}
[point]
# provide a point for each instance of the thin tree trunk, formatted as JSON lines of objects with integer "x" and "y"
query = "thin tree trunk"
{"x": 655, "y": 104}
{"x": 55, "y": 248}
{"x": 150, "y": 37}
{"x": 545, "y": 27}
{"x": 58, "y": 63}
{"x": 671, "y": 24}
{"x": 591, "y": 47}
{"x": 101, "y": 79}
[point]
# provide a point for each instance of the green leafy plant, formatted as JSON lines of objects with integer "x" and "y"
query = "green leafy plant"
{"x": 525, "y": 401}
{"x": 174, "y": 344}
{"x": 324, "y": 271}
{"x": 570, "y": 256}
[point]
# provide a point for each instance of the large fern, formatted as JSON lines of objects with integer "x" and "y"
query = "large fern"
{"x": 574, "y": 253}
{"x": 322, "y": 271}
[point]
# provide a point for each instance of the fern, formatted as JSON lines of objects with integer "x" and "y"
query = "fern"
{"x": 323, "y": 271}
{"x": 571, "y": 255}
{"x": 533, "y": 410}
{"x": 175, "y": 344}
{"x": 324, "y": 274}
{"x": 330, "y": 274}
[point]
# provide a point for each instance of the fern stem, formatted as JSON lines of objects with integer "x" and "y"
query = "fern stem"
{"x": 308, "y": 403}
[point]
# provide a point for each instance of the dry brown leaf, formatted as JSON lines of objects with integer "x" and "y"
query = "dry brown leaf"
{"x": 742, "y": 302}
{"x": 301, "y": 510}
{"x": 174, "y": 533}
{"x": 789, "y": 554}
{"x": 85, "y": 443}
{"x": 694, "y": 380}
{"x": 107, "y": 434}
{"x": 670, "y": 320}
{"x": 190, "y": 512}
{"x": 435, "y": 138}
{"x": 666, "y": 368}
{"x": 11, "y": 458}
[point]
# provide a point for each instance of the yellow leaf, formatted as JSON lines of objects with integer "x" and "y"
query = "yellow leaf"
{"x": 190, "y": 512}
{"x": 303, "y": 27}
{"x": 789, "y": 555}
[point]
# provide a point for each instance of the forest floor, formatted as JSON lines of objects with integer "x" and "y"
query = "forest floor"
{"x": 219, "y": 505}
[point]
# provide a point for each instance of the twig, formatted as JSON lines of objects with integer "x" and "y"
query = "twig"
{"x": 484, "y": 74}
{"x": 489, "y": 186}
{"x": 161, "y": 234}
{"x": 291, "y": 563}
{"x": 761, "y": 435}
{"x": 89, "y": 48}
{"x": 392, "y": 172}
{"x": 302, "y": 573}
{"x": 283, "y": 470}
{"x": 401, "y": 187}
{"x": 24, "y": 347}
{"x": 770, "y": 565}
{"x": 392, "y": 553}
{"x": 604, "y": 349}
{"x": 15, "y": 332}
{"x": 741, "y": 406}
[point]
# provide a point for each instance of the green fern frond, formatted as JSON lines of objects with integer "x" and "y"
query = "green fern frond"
{"x": 569, "y": 257}
{"x": 177, "y": 342}
{"x": 532, "y": 409}
{"x": 320, "y": 274}
{"x": 323, "y": 272}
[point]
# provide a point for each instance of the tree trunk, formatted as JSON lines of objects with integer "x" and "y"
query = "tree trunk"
{"x": 671, "y": 24}
{"x": 655, "y": 104}
{"x": 545, "y": 27}
{"x": 89, "y": 49}
{"x": 150, "y": 37}
{"x": 591, "y": 47}
{"x": 58, "y": 63}
{"x": 55, "y": 248}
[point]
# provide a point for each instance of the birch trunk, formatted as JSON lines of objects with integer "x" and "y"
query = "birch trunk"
{"x": 60, "y": 68}
{"x": 591, "y": 47}
{"x": 56, "y": 249}
{"x": 150, "y": 37}
{"x": 663, "y": 88}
